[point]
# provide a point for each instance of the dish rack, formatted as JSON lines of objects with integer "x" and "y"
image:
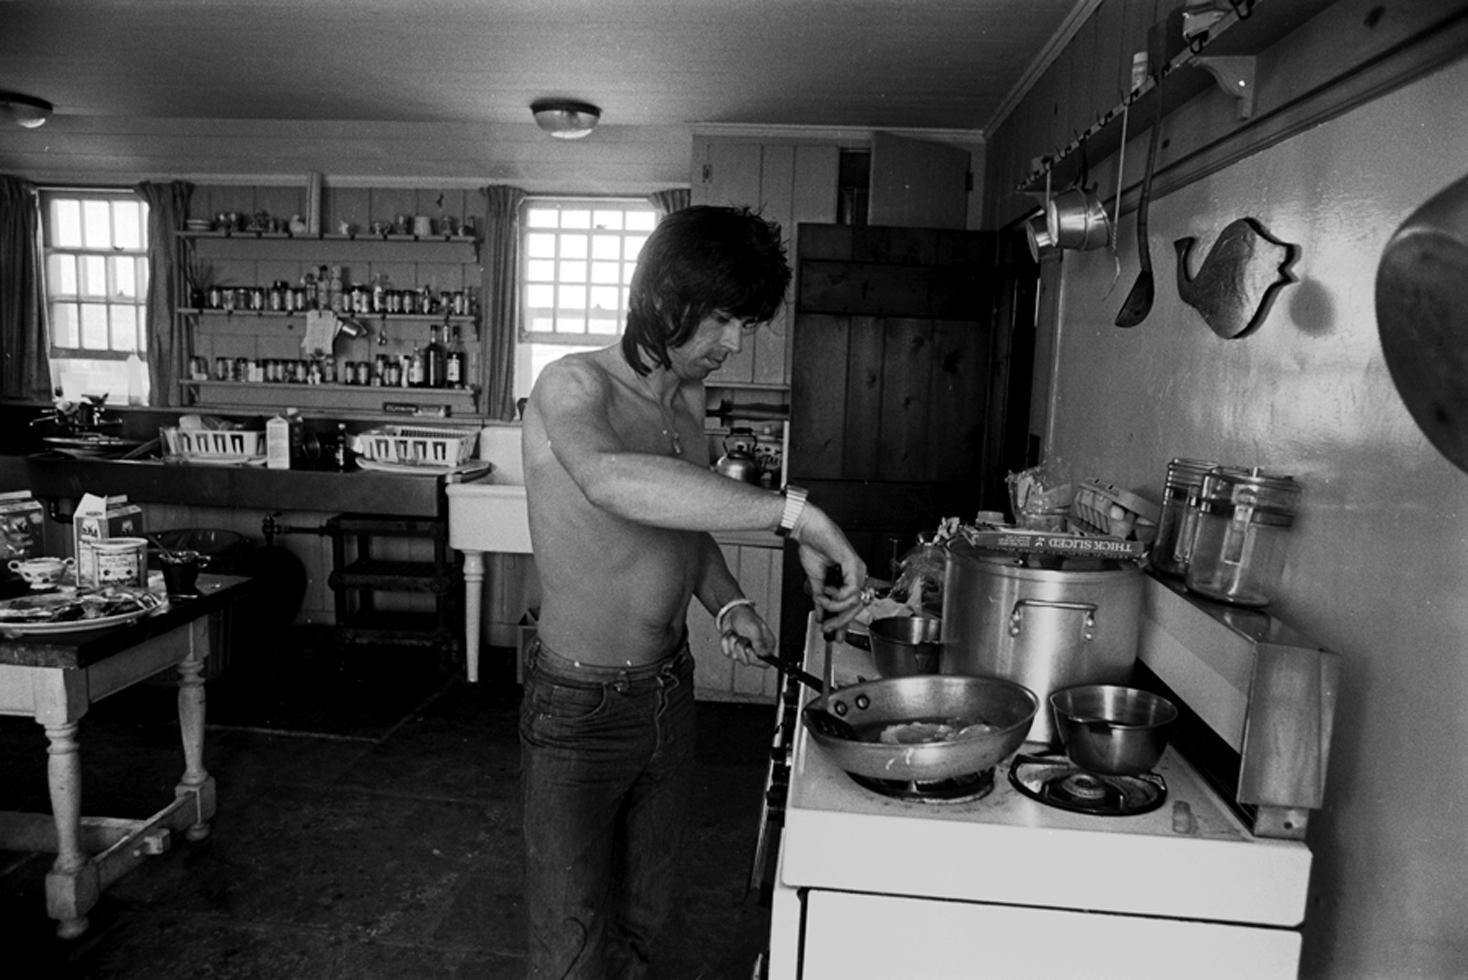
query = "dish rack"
{"x": 416, "y": 445}
{"x": 212, "y": 444}
{"x": 1100, "y": 508}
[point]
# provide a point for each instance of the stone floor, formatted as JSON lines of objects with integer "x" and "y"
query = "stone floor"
{"x": 367, "y": 827}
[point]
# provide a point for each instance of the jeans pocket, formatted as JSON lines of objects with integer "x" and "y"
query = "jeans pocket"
{"x": 561, "y": 702}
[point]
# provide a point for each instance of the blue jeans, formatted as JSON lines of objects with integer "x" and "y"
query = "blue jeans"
{"x": 607, "y": 765}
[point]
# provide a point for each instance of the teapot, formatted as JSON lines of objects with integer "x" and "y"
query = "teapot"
{"x": 738, "y": 461}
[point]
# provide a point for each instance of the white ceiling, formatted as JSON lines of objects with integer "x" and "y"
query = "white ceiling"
{"x": 951, "y": 64}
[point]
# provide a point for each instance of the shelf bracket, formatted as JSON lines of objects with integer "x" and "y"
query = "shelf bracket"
{"x": 1235, "y": 75}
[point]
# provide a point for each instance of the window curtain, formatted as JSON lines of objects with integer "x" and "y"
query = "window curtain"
{"x": 25, "y": 364}
{"x": 499, "y": 277}
{"x": 670, "y": 200}
{"x": 168, "y": 345}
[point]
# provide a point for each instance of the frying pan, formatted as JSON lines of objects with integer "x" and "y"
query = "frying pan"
{"x": 873, "y": 706}
{"x": 1422, "y": 318}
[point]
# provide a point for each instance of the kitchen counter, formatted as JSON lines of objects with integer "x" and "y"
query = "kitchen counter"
{"x": 54, "y": 478}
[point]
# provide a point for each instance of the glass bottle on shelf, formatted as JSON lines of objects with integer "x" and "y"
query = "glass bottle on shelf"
{"x": 453, "y": 374}
{"x": 413, "y": 370}
{"x": 434, "y": 360}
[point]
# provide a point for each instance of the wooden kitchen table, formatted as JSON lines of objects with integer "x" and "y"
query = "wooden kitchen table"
{"x": 55, "y": 678}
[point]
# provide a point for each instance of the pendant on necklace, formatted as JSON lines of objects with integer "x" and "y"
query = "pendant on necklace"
{"x": 677, "y": 443}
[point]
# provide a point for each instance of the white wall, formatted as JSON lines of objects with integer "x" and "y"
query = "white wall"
{"x": 1378, "y": 566}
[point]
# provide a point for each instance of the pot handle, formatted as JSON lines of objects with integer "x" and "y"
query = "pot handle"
{"x": 1088, "y": 631}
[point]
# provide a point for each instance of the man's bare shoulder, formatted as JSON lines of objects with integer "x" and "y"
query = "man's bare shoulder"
{"x": 581, "y": 378}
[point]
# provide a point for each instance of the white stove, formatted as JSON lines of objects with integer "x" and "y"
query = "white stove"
{"x": 1004, "y": 885}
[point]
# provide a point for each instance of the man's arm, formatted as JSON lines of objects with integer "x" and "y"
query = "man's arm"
{"x": 573, "y": 405}
{"x": 744, "y": 634}
{"x": 570, "y": 410}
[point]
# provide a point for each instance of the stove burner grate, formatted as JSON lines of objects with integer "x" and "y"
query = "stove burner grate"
{"x": 1056, "y": 781}
{"x": 957, "y": 789}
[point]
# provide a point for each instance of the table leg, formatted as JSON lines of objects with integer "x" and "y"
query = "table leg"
{"x": 196, "y": 780}
{"x": 473, "y": 610}
{"x": 72, "y": 884}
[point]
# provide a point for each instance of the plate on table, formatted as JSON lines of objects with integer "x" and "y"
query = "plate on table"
{"x": 71, "y": 611}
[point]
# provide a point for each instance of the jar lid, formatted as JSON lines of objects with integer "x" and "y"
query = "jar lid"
{"x": 1251, "y": 488}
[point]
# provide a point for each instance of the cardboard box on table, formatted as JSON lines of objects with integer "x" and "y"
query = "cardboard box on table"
{"x": 98, "y": 519}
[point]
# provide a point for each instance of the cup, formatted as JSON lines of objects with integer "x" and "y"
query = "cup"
{"x": 423, "y": 226}
{"x": 41, "y": 573}
{"x": 180, "y": 572}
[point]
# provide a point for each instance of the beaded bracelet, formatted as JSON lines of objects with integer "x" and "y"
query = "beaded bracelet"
{"x": 729, "y": 607}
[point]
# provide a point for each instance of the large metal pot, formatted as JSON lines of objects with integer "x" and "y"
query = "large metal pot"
{"x": 1046, "y": 623}
{"x": 872, "y": 706}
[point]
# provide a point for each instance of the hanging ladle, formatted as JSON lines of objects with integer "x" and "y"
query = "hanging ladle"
{"x": 1138, "y": 302}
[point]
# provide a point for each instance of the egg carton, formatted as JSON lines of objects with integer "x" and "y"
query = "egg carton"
{"x": 1102, "y": 509}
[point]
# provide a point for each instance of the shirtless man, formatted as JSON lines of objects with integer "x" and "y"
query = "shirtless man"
{"x": 622, "y": 503}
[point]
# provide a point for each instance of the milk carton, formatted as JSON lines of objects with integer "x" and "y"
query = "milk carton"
{"x": 102, "y": 519}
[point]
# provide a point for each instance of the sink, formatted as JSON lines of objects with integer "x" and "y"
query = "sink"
{"x": 489, "y": 515}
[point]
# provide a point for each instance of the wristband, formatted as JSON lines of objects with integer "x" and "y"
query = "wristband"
{"x": 794, "y": 504}
{"x": 729, "y": 607}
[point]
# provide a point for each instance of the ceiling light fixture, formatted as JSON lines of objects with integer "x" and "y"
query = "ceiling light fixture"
{"x": 565, "y": 119}
{"x": 25, "y": 110}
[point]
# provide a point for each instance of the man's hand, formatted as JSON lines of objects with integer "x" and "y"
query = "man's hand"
{"x": 746, "y": 636}
{"x": 824, "y": 550}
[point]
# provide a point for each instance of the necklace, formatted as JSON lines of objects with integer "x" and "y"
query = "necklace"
{"x": 670, "y": 429}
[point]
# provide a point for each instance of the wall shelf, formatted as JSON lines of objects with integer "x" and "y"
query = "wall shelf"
{"x": 1223, "y": 56}
{"x": 326, "y": 237}
{"x": 394, "y": 401}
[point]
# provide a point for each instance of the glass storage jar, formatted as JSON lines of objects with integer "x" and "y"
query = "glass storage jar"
{"x": 1177, "y": 523}
{"x": 1243, "y": 522}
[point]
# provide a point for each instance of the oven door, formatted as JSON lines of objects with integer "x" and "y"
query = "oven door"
{"x": 776, "y": 791}
{"x": 851, "y": 934}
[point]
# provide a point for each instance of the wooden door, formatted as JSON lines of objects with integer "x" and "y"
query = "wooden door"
{"x": 896, "y": 368}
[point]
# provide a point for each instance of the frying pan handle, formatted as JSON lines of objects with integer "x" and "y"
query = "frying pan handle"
{"x": 1088, "y": 627}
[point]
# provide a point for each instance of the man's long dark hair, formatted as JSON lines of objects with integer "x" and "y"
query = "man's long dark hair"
{"x": 698, "y": 260}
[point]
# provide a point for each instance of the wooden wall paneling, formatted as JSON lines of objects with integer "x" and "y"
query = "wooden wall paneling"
{"x": 862, "y": 446}
{"x": 776, "y": 203}
{"x": 813, "y": 200}
{"x": 903, "y": 447}
{"x": 818, "y": 376}
{"x": 712, "y": 671}
{"x": 962, "y": 370}
{"x": 759, "y": 576}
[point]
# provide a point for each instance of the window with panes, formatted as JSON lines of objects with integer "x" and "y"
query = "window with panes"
{"x": 576, "y": 262}
{"x": 96, "y": 274}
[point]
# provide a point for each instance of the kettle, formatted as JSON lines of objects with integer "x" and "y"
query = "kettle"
{"x": 738, "y": 461}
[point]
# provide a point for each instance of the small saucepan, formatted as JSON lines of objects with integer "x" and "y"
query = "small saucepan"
{"x": 1076, "y": 219}
{"x": 906, "y": 645}
{"x": 1113, "y": 730}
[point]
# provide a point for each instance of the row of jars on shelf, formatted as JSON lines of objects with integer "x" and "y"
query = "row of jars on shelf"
{"x": 411, "y": 370}
{"x": 282, "y": 297}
